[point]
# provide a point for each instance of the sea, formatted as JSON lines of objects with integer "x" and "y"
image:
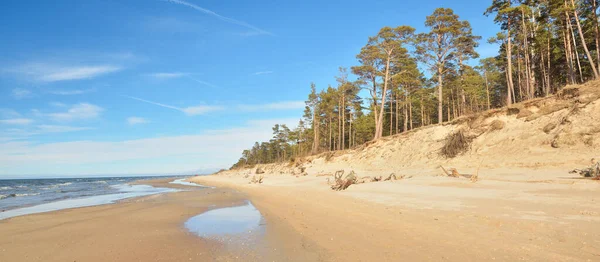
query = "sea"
{"x": 28, "y": 196}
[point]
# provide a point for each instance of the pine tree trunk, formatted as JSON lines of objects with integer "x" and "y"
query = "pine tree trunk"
{"x": 410, "y": 120}
{"x": 583, "y": 43}
{"x": 375, "y": 109}
{"x": 568, "y": 53}
{"x": 520, "y": 72}
{"x": 596, "y": 32}
{"x": 487, "y": 90}
{"x": 405, "y": 112}
{"x": 511, "y": 86}
{"x": 440, "y": 94}
{"x": 397, "y": 114}
{"x": 315, "y": 146}
{"x": 379, "y": 130}
{"x": 391, "y": 117}
{"x": 572, "y": 33}
{"x": 350, "y": 130}
{"x": 422, "y": 111}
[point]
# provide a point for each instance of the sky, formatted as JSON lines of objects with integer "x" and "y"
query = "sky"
{"x": 101, "y": 87}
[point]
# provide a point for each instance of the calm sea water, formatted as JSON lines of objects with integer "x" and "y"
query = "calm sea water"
{"x": 21, "y": 193}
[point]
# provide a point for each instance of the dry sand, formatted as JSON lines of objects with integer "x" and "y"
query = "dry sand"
{"x": 432, "y": 218}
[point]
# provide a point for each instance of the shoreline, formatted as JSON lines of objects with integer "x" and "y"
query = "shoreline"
{"x": 147, "y": 228}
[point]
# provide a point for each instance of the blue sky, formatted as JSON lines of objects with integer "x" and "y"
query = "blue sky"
{"x": 102, "y": 87}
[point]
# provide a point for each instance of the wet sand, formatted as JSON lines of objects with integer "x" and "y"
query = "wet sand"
{"x": 140, "y": 229}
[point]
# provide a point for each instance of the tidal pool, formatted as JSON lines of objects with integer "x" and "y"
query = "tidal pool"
{"x": 229, "y": 221}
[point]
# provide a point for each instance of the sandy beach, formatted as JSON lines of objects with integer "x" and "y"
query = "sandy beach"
{"x": 424, "y": 218}
{"x": 140, "y": 229}
{"x": 433, "y": 218}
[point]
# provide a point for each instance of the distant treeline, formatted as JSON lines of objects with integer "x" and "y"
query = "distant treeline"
{"x": 544, "y": 45}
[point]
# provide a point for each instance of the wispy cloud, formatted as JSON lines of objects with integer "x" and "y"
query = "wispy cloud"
{"x": 71, "y": 92}
{"x": 263, "y": 73}
{"x": 167, "y": 75}
{"x": 200, "y": 110}
{"x": 191, "y": 111}
{"x": 44, "y": 72}
{"x": 285, "y": 105}
{"x": 25, "y": 132}
{"x": 134, "y": 120}
{"x": 173, "y": 75}
{"x": 20, "y": 93}
{"x": 42, "y": 129}
{"x": 16, "y": 121}
{"x": 77, "y": 112}
{"x": 220, "y": 17}
{"x": 202, "y": 82}
{"x": 57, "y": 104}
{"x": 203, "y": 109}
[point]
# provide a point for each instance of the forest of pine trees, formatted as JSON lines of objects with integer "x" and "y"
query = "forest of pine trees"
{"x": 544, "y": 45}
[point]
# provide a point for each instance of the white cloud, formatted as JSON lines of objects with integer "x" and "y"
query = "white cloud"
{"x": 202, "y": 82}
{"x": 214, "y": 148}
{"x": 43, "y": 129}
{"x": 168, "y": 75}
{"x": 200, "y": 110}
{"x": 191, "y": 111}
{"x": 9, "y": 113}
{"x": 57, "y": 104}
{"x": 136, "y": 120}
{"x": 77, "y": 112}
{"x": 203, "y": 109}
{"x": 16, "y": 121}
{"x": 263, "y": 73}
{"x": 20, "y": 93}
{"x": 23, "y": 133}
{"x": 45, "y": 72}
{"x": 220, "y": 17}
{"x": 285, "y": 105}
{"x": 71, "y": 92}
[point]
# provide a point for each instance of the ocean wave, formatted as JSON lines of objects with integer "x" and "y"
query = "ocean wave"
{"x": 99, "y": 182}
{"x": 23, "y": 195}
{"x": 64, "y": 184}
{"x": 5, "y": 188}
{"x": 18, "y": 195}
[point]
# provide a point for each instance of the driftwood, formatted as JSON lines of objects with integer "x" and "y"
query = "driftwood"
{"x": 342, "y": 184}
{"x": 452, "y": 172}
{"x": 255, "y": 180}
{"x": 392, "y": 176}
{"x": 324, "y": 174}
{"x": 591, "y": 172}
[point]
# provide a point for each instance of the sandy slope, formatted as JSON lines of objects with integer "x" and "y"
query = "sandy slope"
{"x": 526, "y": 206}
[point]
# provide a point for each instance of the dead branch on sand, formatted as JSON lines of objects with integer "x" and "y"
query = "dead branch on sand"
{"x": 393, "y": 176}
{"x": 342, "y": 184}
{"x": 591, "y": 172}
{"x": 255, "y": 180}
{"x": 453, "y": 172}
